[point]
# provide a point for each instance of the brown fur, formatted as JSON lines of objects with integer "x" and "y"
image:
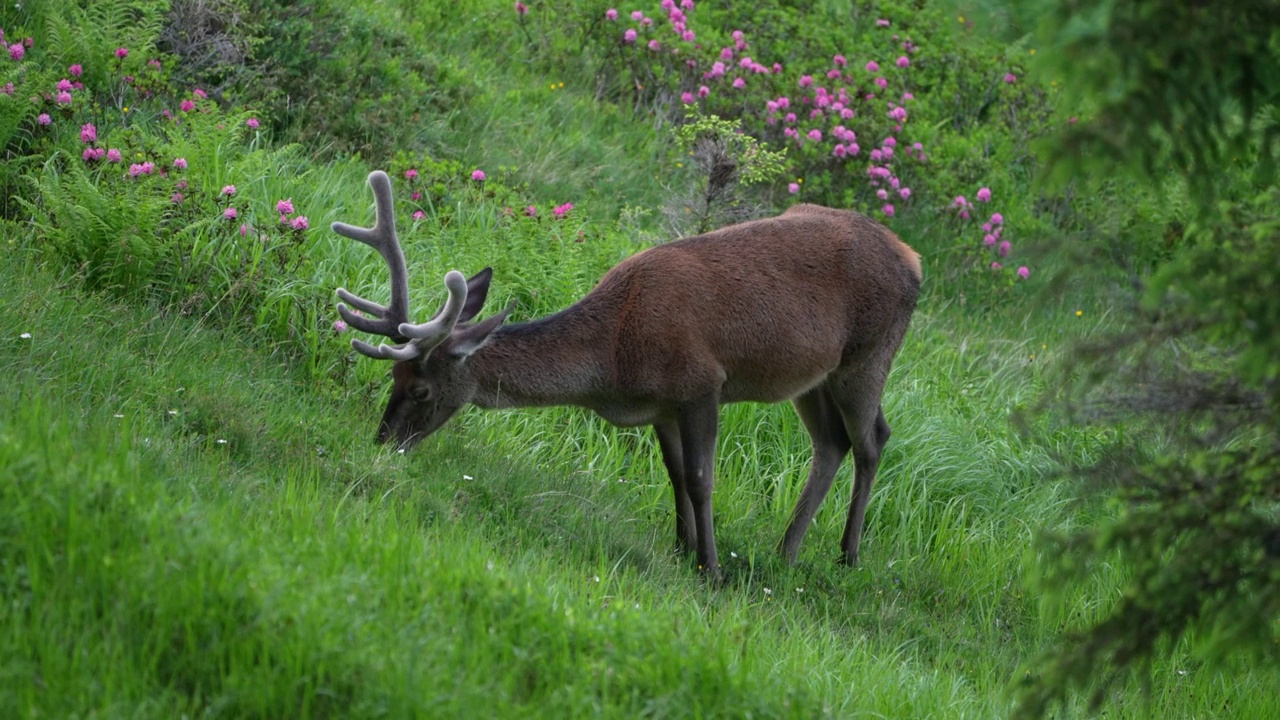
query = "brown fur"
{"x": 810, "y": 306}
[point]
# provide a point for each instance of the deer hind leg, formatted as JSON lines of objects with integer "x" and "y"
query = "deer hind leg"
{"x": 673, "y": 458}
{"x": 822, "y": 419}
{"x": 858, "y": 397}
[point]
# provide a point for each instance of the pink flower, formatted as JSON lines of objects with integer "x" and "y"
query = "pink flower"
{"x": 882, "y": 194}
{"x": 984, "y": 195}
{"x": 882, "y": 23}
{"x": 122, "y": 53}
{"x": 64, "y": 84}
{"x": 200, "y": 94}
{"x": 686, "y": 4}
{"x": 252, "y": 123}
{"x": 905, "y": 193}
{"x": 415, "y": 195}
{"x": 739, "y": 83}
{"x": 904, "y": 61}
{"x": 88, "y": 133}
{"x": 839, "y": 60}
{"x": 339, "y": 326}
{"x": 187, "y": 106}
{"x": 148, "y": 167}
{"x": 531, "y": 211}
{"x": 887, "y": 210}
{"x": 989, "y": 240}
{"x": 806, "y": 81}
{"x": 815, "y": 135}
{"x": 91, "y": 154}
{"x": 418, "y": 215}
{"x": 409, "y": 174}
{"x": 873, "y": 66}
{"x": 1010, "y": 78}
{"x": 477, "y": 175}
{"x": 175, "y": 198}
{"x": 75, "y": 70}
{"x": 840, "y": 151}
{"x": 230, "y": 213}
{"x": 1023, "y": 272}
{"x": 44, "y": 119}
{"x": 611, "y": 14}
{"x": 113, "y": 155}
{"x": 16, "y": 51}
{"x": 793, "y": 188}
{"x": 654, "y": 45}
{"x": 230, "y": 190}
{"x": 7, "y": 89}
{"x": 637, "y": 15}
{"x": 64, "y": 98}
{"x": 244, "y": 229}
{"x": 284, "y": 207}
{"x": 300, "y": 223}
{"x": 686, "y": 98}
{"x": 135, "y": 170}
{"x": 180, "y": 163}
{"x": 908, "y": 96}
{"x": 790, "y": 117}
{"x": 996, "y": 266}
{"x": 703, "y": 91}
{"x": 881, "y": 83}
{"x": 561, "y": 210}
{"x": 997, "y": 219}
{"x": 688, "y": 36}
{"x": 521, "y": 9}
{"x": 181, "y": 184}
{"x": 629, "y": 36}
{"x": 1005, "y": 247}
{"x": 960, "y": 201}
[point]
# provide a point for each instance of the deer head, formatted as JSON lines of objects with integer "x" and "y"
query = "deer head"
{"x": 431, "y": 381}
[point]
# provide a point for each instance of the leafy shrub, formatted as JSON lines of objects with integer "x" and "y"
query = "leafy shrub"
{"x": 897, "y": 116}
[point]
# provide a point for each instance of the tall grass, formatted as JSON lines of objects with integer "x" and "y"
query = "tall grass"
{"x": 190, "y": 529}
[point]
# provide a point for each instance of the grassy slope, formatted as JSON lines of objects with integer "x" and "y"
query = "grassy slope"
{"x": 295, "y": 570}
{"x": 517, "y": 564}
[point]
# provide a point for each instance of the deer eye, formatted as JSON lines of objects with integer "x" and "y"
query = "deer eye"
{"x": 421, "y": 394}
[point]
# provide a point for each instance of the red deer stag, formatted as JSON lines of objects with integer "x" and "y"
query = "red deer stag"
{"x": 810, "y": 306}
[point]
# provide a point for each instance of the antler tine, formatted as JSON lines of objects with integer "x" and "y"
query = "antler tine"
{"x": 381, "y": 237}
{"x": 432, "y": 333}
{"x": 407, "y": 351}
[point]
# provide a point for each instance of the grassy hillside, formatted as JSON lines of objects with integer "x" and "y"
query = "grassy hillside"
{"x": 193, "y": 518}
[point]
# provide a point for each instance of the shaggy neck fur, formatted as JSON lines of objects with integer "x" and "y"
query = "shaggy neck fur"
{"x": 552, "y": 361}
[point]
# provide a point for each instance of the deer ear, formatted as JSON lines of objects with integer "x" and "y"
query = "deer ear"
{"x": 466, "y": 340}
{"x": 477, "y": 291}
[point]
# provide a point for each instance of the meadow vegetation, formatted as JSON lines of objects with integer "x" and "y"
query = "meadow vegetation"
{"x": 193, "y": 520}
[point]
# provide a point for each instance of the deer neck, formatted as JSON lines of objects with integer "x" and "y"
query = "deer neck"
{"x": 555, "y": 360}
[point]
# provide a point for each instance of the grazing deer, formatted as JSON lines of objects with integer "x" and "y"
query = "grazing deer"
{"x": 810, "y": 306}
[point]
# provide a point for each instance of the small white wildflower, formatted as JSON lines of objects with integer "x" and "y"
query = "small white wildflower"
{"x": 173, "y": 412}
{"x": 488, "y": 565}
{"x": 596, "y": 578}
{"x": 119, "y": 415}
{"x": 25, "y": 336}
{"x": 400, "y": 451}
{"x": 767, "y": 592}
{"x": 467, "y": 477}
{"x": 733, "y": 554}
{"x": 221, "y": 441}
{"x": 799, "y": 590}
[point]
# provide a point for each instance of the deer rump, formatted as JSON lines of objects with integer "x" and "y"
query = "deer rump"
{"x": 810, "y": 306}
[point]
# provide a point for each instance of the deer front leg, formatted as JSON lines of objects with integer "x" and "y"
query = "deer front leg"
{"x": 698, "y": 425}
{"x": 668, "y": 433}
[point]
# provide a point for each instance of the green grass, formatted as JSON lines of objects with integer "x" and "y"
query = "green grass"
{"x": 518, "y": 564}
